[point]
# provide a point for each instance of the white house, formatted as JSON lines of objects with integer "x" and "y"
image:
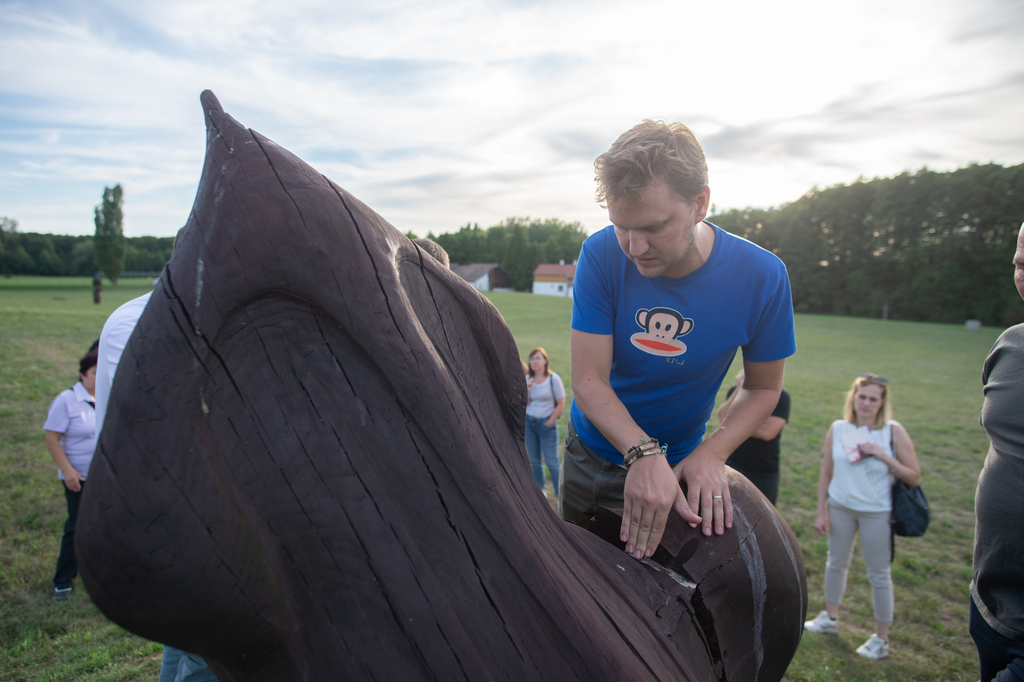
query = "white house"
{"x": 554, "y": 280}
{"x": 483, "y": 276}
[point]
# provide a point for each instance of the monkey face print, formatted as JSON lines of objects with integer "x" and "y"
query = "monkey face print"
{"x": 661, "y": 329}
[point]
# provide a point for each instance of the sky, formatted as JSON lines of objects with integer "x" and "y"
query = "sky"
{"x": 446, "y": 112}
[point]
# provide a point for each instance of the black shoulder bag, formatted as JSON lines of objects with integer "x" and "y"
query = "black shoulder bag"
{"x": 910, "y": 512}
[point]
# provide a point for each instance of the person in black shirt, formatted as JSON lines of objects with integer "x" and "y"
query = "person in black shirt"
{"x": 757, "y": 458}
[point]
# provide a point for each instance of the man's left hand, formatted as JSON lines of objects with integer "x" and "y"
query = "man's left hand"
{"x": 707, "y": 490}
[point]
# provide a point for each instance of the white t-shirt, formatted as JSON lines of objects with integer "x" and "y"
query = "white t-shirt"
{"x": 543, "y": 396}
{"x": 72, "y": 415}
{"x": 865, "y": 485}
{"x": 113, "y": 339}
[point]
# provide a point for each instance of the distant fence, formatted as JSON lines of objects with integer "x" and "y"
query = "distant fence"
{"x": 138, "y": 274}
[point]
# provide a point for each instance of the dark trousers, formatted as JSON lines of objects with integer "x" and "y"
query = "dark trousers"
{"x": 588, "y": 481}
{"x": 768, "y": 484}
{"x": 1001, "y": 658}
{"x": 67, "y": 568}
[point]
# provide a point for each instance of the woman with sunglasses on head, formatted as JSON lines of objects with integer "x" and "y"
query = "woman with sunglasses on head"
{"x": 862, "y": 454}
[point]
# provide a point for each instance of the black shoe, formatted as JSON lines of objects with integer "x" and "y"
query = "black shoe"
{"x": 61, "y": 593}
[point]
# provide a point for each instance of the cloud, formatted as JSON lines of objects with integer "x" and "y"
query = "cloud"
{"x": 992, "y": 20}
{"x": 577, "y": 145}
{"x": 439, "y": 114}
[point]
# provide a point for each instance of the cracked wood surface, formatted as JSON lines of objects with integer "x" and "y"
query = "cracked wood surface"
{"x": 746, "y": 588}
{"x": 313, "y": 468}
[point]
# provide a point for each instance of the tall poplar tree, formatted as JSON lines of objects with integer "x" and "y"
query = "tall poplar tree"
{"x": 109, "y": 241}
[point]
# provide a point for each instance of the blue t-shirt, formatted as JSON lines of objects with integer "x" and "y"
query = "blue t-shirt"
{"x": 668, "y": 381}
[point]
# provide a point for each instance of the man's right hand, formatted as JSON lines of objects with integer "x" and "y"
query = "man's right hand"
{"x": 652, "y": 491}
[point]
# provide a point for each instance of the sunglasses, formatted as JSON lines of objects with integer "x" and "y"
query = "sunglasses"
{"x": 875, "y": 379}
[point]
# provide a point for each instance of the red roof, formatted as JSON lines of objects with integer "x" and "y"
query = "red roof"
{"x": 568, "y": 271}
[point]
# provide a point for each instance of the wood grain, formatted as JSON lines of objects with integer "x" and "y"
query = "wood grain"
{"x": 313, "y": 468}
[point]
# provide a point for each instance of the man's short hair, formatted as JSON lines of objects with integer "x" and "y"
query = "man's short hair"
{"x": 652, "y": 149}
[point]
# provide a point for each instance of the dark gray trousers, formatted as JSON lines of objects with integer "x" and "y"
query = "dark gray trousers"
{"x": 587, "y": 482}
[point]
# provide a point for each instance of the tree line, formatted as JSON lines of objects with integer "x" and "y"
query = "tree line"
{"x": 923, "y": 245}
{"x": 30, "y": 253}
{"x": 518, "y": 245}
{"x": 107, "y": 251}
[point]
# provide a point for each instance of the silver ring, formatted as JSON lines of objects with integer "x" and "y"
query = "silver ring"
{"x": 716, "y": 497}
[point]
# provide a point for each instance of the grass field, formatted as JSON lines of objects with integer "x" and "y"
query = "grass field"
{"x": 46, "y": 324}
{"x": 934, "y": 370}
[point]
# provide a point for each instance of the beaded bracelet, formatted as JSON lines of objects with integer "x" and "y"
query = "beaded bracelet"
{"x": 647, "y": 447}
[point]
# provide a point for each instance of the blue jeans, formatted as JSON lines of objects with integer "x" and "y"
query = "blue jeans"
{"x": 181, "y": 666}
{"x": 541, "y": 440}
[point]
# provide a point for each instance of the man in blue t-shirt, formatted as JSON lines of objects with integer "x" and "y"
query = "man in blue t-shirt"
{"x": 661, "y": 301}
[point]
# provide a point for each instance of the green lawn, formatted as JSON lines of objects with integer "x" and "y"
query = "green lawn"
{"x": 46, "y": 324}
{"x": 934, "y": 370}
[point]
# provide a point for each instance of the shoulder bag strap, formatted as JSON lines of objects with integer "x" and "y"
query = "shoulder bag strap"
{"x": 892, "y": 534}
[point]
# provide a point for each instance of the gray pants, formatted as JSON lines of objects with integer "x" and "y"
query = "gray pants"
{"x": 875, "y": 541}
{"x": 587, "y": 481}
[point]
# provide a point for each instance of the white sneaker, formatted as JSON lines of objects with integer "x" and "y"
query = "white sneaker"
{"x": 875, "y": 648}
{"x": 823, "y": 625}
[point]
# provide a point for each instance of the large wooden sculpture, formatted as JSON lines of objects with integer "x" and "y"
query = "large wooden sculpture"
{"x": 313, "y": 469}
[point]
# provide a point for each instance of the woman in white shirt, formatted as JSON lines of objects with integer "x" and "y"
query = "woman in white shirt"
{"x": 71, "y": 438}
{"x": 862, "y": 453}
{"x": 545, "y": 403}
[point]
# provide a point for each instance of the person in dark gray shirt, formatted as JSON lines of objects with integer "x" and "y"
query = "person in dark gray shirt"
{"x": 997, "y": 588}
